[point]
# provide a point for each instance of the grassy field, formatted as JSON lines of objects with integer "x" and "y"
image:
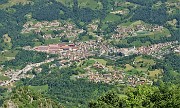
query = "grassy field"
{"x": 89, "y": 62}
{"x": 3, "y": 78}
{"x": 8, "y": 55}
{"x": 101, "y": 61}
{"x": 140, "y": 64}
{"x": 122, "y": 96}
{"x": 144, "y": 60}
{"x": 155, "y": 72}
{"x": 173, "y": 1}
{"x": 131, "y": 24}
{"x": 93, "y": 4}
{"x": 2, "y": 59}
{"x": 112, "y": 18}
{"x": 136, "y": 43}
{"x": 52, "y": 41}
{"x": 7, "y": 38}
{"x": 127, "y": 23}
{"x": 110, "y": 68}
{"x": 6, "y": 42}
{"x": 39, "y": 88}
{"x": 128, "y": 67}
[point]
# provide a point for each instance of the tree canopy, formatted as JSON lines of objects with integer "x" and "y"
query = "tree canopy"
{"x": 165, "y": 96}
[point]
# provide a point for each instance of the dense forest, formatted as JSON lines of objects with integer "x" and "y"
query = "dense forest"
{"x": 2, "y": 91}
{"x": 164, "y": 96}
{"x": 31, "y": 99}
{"x": 67, "y": 91}
{"x": 25, "y": 57}
{"x": 3, "y": 1}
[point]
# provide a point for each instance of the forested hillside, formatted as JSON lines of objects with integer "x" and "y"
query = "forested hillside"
{"x": 67, "y": 91}
{"x": 143, "y": 96}
{"x": 24, "y": 97}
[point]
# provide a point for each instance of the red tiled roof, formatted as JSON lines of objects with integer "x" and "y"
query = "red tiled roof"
{"x": 75, "y": 48}
{"x": 53, "y": 45}
{"x": 42, "y": 48}
{"x": 71, "y": 45}
{"x": 65, "y": 47}
{"x": 60, "y": 45}
{"x": 53, "y": 48}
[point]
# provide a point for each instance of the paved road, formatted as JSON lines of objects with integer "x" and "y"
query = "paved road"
{"x": 16, "y": 75}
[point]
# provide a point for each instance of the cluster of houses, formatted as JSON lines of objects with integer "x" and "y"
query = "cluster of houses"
{"x": 105, "y": 76}
{"x": 156, "y": 50}
{"x": 93, "y": 27}
{"x": 121, "y": 3}
{"x": 177, "y": 49}
{"x": 122, "y": 31}
{"x": 98, "y": 65}
{"x": 127, "y": 51}
{"x": 111, "y": 77}
{"x": 125, "y": 11}
{"x": 16, "y": 75}
{"x": 69, "y": 52}
{"x": 38, "y": 26}
{"x": 115, "y": 77}
{"x": 11, "y": 75}
{"x": 173, "y": 4}
{"x": 82, "y": 50}
{"x": 98, "y": 72}
{"x": 44, "y": 28}
{"x": 135, "y": 80}
{"x": 75, "y": 51}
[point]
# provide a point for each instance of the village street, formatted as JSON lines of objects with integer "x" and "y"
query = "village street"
{"x": 17, "y": 75}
